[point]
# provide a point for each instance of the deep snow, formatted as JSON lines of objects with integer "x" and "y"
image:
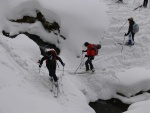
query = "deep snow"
{"x": 24, "y": 89}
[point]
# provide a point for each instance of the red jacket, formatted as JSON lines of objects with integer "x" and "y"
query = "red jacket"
{"x": 90, "y": 51}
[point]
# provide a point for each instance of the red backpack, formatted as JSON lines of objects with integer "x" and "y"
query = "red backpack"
{"x": 96, "y": 48}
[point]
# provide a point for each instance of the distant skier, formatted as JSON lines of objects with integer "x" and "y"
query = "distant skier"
{"x": 120, "y": 1}
{"x": 133, "y": 28}
{"x": 90, "y": 56}
{"x": 145, "y": 2}
{"x": 51, "y": 58}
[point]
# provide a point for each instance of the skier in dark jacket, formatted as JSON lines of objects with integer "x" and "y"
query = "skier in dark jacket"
{"x": 130, "y": 32}
{"x": 145, "y": 2}
{"x": 51, "y": 58}
{"x": 90, "y": 56}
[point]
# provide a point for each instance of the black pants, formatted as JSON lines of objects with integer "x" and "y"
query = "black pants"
{"x": 52, "y": 71}
{"x": 132, "y": 36}
{"x": 145, "y": 2}
{"x": 89, "y": 63}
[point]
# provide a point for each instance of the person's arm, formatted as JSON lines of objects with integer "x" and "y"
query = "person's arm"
{"x": 41, "y": 62}
{"x": 60, "y": 60}
{"x": 129, "y": 30}
{"x": 84, "y": 50}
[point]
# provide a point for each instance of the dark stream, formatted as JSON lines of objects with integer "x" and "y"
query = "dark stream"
{"x": 109, "y": 106}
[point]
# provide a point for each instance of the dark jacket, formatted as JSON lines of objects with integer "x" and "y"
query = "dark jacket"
{"x": 51, "y": 62}
{"x": 130, "y": 29}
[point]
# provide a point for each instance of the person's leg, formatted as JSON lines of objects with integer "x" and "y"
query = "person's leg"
{"x": 130, "y": 39}
{"x": 53, "y": 72}
{"x": 120, "y": 1}
{"x": 90, "y": 62}
{"x": 146, "y": 3}
{"x": 48, "y": 67}
{"x": 87, "y": 64}
{"x": 49, "y": 70}
{"x": 133, "y": 38}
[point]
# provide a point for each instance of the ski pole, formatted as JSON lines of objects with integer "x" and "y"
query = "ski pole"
{"x": 102, "y": 38}
{"x": 81, "y": 56}
{"x": 122, "y": 26}
{"x": 60, "y": 78}
{"x": 39, "y": 70}
{"x": 81, "y": 59}
{"x": 79, "y": 66}
{"x": 123, "y": 44}
{"x": 63, "y": 71}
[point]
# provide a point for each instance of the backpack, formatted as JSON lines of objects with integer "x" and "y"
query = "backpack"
{"x": 96, "y": 47}
{"x": 135, "y": 28}
{"x": 51, "y": 54}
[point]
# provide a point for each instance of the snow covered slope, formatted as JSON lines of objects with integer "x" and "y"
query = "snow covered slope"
{"x": 24, "y": 89}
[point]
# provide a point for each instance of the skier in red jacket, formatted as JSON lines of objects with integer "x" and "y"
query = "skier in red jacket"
{"x": 90, "y": 56}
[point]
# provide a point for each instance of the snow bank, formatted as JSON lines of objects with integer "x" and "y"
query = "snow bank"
{"x": 16, "y": 54}
{"x": 17, "y": 99}
{"x": 79, "y": 21}
{"x": 139, "y": 107}
{"x": 139, "y": 81}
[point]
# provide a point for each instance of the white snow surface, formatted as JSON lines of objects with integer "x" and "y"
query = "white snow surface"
{"x": 26, "y": 89}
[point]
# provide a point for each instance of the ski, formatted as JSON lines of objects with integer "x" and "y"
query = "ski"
{"x": 124, "y": 44}
{"x": 121, "y": 44}
{"x": 82, "y": 72}
{"x": 73, "y": 73}
{"x": 51, "y": 84}
{"x": 137, "y": 7}
{"x": 56, "y": 88}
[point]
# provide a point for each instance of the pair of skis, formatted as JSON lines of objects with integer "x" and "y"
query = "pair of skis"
{"x": 82, "y": 72}
{"x": 123, "y": 44}
{"x": 54, "y": 87}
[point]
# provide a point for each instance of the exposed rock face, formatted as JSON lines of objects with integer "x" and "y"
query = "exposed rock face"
{"x": 49, "y": 27}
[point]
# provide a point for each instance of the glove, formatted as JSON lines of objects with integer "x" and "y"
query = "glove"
{"x": 40, "y": 66}
{"x": 63, "y": 64}
{"x": 83, "y": 51}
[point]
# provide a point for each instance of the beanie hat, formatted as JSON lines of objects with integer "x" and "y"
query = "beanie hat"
{"x": 130, "y": 19}
{"x": 86, "y": 44}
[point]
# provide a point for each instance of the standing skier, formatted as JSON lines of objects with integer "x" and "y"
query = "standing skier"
{"x": 130, "y": 32}
{"x": 90, "y": 56}
{"x": 51, "y": 58}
